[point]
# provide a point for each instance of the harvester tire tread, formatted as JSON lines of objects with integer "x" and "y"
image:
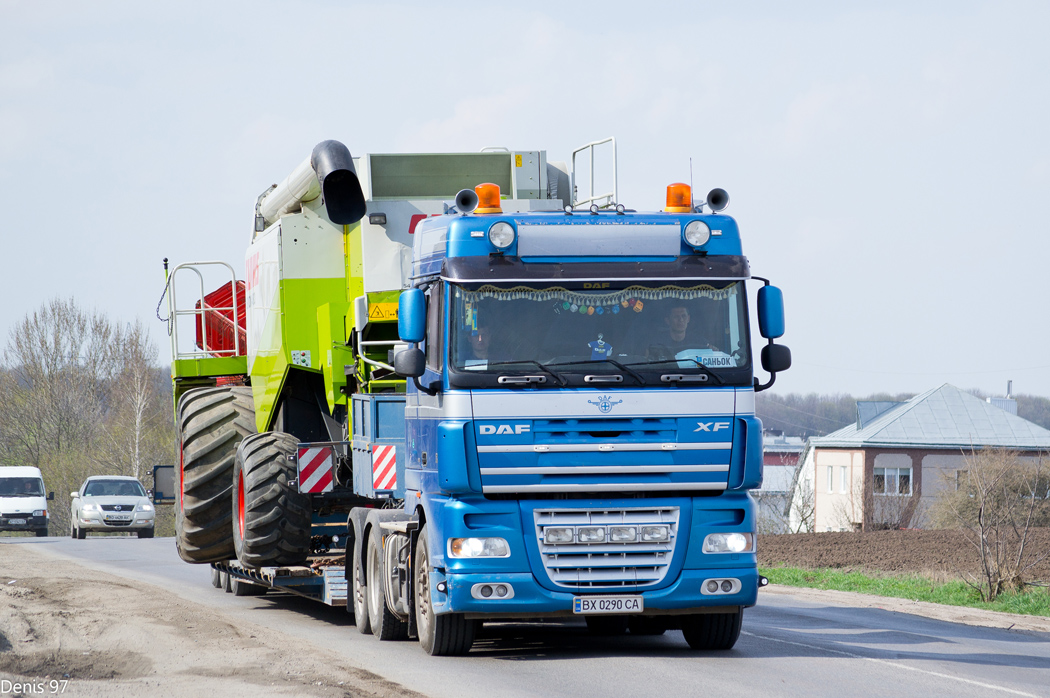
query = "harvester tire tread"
{"x": 211, "y": 423}
{"x": 271, "y": 526}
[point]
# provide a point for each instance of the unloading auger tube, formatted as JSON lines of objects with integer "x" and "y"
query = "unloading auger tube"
{"x": 328, "y": 172}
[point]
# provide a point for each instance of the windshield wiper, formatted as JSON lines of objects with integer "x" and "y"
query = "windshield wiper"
{"x": 557, "y": 376}
{"x": 634, "y": 374}
{"x": 698, "y": 363}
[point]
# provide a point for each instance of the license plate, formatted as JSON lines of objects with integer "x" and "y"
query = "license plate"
{"x": 16, "y": 522}
{"x": 118, "y": 518}
{"x": 595, "y": 605}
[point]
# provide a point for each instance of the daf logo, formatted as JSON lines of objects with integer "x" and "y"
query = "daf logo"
{"x": 711, "y": 426}
{"x": 605, "y": 403}
{"x": 487, "y": 429}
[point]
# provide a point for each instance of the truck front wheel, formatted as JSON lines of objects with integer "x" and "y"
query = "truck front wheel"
{"x": 712, "y": 631}
{"x": 385, "y": 625}
{"x": 445, "y": 635}
{"x": 271, "y": 518}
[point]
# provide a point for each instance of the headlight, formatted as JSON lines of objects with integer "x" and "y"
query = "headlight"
{"x": 590, "y": 534}
{"x": 478, "y": 547}
{"x": 697, "y": 233}
{"x": 145, "y": 507}
{"x": 89, "y": 507}
{"x": 557, "y": 535}
{"x": 40, "y": 512}
{"x": 655, "y": 534}
{"x": 729, "y": 543}
{"x": 501, "y": 235}
{"x": 623, "y": 534}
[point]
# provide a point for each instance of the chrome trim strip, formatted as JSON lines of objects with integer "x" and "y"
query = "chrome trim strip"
{"x": 605, "y": 447}
{"x": 600, "y": 487}
{"x": 606, "y": 469}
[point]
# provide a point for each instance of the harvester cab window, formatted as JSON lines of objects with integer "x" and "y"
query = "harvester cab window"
{"x": 692, "y": 327}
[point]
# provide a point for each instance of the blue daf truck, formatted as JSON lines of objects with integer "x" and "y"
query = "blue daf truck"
{"x": 524, "y": 405}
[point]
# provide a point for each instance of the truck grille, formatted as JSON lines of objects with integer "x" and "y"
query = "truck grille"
{"x": 607, "y": 565}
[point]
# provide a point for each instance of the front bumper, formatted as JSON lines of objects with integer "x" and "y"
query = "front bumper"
{"x": 140, "y": 521}
{"x": 534, "y": 601}
{"x": 32, "y": 523}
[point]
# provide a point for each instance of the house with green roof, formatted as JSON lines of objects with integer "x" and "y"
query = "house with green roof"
{"x": 885, "y": 470}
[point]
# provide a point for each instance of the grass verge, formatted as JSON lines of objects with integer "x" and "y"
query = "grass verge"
{"x": 1035, "y": 602}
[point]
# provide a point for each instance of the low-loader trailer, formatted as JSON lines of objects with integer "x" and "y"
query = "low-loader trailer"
{"x": 450, "y": 390}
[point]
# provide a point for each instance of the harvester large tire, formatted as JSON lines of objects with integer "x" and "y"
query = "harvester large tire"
{"x": 712, "y": 631}
{"x": 445, "y": 635}
{"x": 211, "y": 423}
{"x": 271, "y": 518}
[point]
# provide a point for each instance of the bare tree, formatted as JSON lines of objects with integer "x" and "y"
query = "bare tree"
{"x": 79, "y": 396}
{"x": 1000, "y": 497}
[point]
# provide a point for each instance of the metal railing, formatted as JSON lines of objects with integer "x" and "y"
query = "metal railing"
{"x": 602, "y": 200}
{"x": 174, "y": 313}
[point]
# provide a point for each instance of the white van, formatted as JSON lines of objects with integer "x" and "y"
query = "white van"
{"x": 23, "y": 505}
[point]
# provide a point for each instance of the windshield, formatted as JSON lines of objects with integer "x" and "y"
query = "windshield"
{"x": 114, "y": 488}
{"x": 21, "y": 487}
{"x": 634, "y": 327}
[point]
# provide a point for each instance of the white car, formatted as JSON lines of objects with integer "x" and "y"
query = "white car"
{"x": 111, "y": 503}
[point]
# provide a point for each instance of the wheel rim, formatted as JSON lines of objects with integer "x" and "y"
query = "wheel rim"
{"x": 423, "y": 611}
{"x": 240, "y": 505}
{"x": 359, "y": 594}
{"x": 373, "y": 578}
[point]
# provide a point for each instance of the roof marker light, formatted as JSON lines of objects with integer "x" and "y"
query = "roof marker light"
{"x": 488, "y": 198}
{"x": 679, "y": 198}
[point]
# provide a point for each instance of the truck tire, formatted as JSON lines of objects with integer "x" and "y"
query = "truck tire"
{"x": 385, "y": 625}
{"x": 271, "y": 518}
{"x": 444, "y": 635}
{"x": 359, "y": 597}
{"x": 712, "y": 631}
{"x": 211, "y": 423}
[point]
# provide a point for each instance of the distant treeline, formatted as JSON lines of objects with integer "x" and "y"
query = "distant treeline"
{"x": 817, "y": 415}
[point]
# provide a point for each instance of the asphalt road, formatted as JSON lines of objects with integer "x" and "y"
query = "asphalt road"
{"x": 789, "y": 646}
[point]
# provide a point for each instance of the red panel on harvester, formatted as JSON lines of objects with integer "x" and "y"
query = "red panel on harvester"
{"x": 215, "y": 334}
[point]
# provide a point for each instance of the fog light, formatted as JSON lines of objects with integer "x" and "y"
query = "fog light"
{"x": 727, "y": 586}
{"x": 655, "y": 534}
{"x": 486, "y": 591}
{"x": 590, "y": 534}
{"x": 623, "y": 534}
{"x": 559, "y": 535}
{"x": 712, "y": 586}
{"x": 478, "y": 547}
{"x": 501, "y": 590}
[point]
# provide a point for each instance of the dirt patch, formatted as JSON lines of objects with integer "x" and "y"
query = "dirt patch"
{"x": 936, "y": 554}
{"x": 63, "y": 627}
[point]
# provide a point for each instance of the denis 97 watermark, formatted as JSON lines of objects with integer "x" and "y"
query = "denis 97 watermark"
{"x": 33, "y": 688}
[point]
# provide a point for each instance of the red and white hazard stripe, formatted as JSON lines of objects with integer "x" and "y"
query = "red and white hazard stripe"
{"x": 384, "y": 467}
{"x": 315, "y": 469}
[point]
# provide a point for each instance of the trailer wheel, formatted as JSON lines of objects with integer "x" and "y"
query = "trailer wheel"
{"x": 216, "y": 578}
{"x": 712, "y": 631}
{"x": 359, "y": 595}
{"x": 242, "y": 588}
{"x": 271, "y": 518}
{"x": 385, "y": 625}
{"x": 210, "y": 422}
{"x": 445, "y": 635}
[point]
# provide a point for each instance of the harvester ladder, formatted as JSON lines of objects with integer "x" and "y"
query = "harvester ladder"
{"x": 601, "y": 200}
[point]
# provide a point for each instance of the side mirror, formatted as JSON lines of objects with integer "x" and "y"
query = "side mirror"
{"x": 50, "y": 496}
{"x": 412, "y": 317}
{"x": 776, "y": 358}
{"x": 74, "y": 495}
{"x": 770, "y": 312}
{"x": 410, "y": 363}
{"x": 149, "y": 494}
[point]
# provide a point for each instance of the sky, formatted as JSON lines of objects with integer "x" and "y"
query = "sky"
{"x": 887, "y": 163}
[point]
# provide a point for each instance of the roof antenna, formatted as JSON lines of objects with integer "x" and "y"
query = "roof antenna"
{"x": 692, "y": 199}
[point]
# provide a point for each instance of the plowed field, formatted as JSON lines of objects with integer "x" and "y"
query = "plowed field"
{"x": 937, "y": 554}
